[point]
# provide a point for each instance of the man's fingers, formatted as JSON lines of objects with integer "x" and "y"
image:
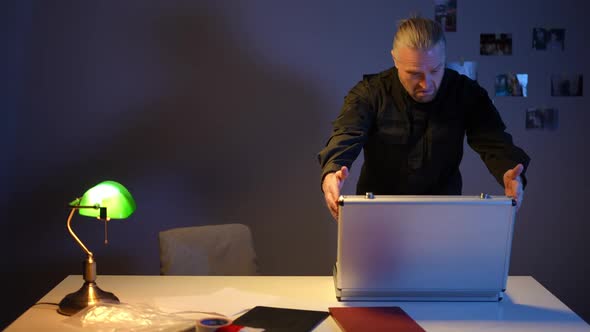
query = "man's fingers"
{"x": 331, "y": 200}
{"x": 512, "y": 182}
{"x": 331, "y": 186}
{"x": 334, "y": 213}
{"x": 331, "y": 194}
{"x": 513, "y": 188}
{"x": 518, "y": 196}
{"x": 332, "y": 203}
{"x": 519, "y": 200}
{"x": 513, "y": 185}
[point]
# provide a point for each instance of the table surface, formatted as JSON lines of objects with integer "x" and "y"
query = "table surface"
{"x": 527, "y": 306}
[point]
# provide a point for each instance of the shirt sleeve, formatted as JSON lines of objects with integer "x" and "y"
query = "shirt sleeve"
{"x": 350, "y": 130}
{"x": 486, "y": 134}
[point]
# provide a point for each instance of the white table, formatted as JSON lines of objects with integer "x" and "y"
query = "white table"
{"x": 528, "y": 306}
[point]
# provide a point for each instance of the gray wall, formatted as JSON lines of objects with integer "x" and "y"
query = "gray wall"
{"x": 213, "y": 113}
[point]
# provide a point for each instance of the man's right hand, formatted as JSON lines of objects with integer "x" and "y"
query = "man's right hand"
{"x": 331, "y": 186}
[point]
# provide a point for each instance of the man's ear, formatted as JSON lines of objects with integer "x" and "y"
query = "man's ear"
{"x": 392, "y": 57}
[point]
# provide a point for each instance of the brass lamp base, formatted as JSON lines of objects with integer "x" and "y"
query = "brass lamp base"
{"x": 89, "y": 294}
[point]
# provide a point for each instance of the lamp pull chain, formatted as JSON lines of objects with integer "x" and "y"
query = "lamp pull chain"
{"x": 106, "y": 236}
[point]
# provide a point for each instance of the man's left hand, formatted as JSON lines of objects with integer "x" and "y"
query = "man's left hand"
{"x": 513, "y": 184}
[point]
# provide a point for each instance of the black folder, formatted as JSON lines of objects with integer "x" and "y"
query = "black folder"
{"x": 273, "y": 319}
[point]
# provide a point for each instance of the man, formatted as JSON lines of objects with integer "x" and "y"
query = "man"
{"x": 411, "y": 121}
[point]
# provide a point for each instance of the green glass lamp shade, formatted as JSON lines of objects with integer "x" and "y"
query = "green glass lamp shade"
{"x": 110, "y": 194}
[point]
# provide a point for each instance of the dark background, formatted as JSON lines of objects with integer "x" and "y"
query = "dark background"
{"x": 213, "y": 113}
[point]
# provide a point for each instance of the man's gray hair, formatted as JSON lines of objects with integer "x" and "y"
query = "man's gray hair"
{"x": 418, "y": 33}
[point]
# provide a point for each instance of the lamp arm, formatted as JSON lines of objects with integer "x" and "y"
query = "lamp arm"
{"x": 69, "y": 224}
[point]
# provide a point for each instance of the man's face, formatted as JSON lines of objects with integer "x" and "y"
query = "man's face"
{"x": 420, "y": 71}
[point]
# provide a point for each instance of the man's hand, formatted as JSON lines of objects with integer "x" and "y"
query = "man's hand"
{"x": 331, "y": 186}
{"x": 513, "y": 184}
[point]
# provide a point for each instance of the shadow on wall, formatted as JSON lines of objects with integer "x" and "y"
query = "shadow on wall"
{"x": 234, "y": 136}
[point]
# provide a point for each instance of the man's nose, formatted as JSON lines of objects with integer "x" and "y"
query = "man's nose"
{"x": 424, "y": 83}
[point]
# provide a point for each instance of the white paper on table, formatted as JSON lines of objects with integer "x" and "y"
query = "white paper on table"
{"x": 227, "y": 302}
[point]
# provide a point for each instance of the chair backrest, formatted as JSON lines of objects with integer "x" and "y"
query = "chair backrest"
{"x": 226, "y": 249}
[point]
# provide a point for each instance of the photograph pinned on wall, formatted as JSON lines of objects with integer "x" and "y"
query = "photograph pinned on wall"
{"x": 511, "y": 84}
{"x": 445, "y": 13}
{"x": 541, "y": 118}
{"x": 566, "y": 85}
{"x": 495, "y": 44}
{"x": 549, "y": 39}
{"x": 467, "y": 68}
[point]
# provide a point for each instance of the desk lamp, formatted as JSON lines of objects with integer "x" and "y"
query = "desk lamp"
{"x": 107, "y": 200}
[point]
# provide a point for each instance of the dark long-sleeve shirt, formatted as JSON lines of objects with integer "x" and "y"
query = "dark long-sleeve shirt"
{"x": 415, "y": 148}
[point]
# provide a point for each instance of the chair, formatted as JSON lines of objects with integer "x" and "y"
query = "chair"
{"x": 226, "y": 249}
